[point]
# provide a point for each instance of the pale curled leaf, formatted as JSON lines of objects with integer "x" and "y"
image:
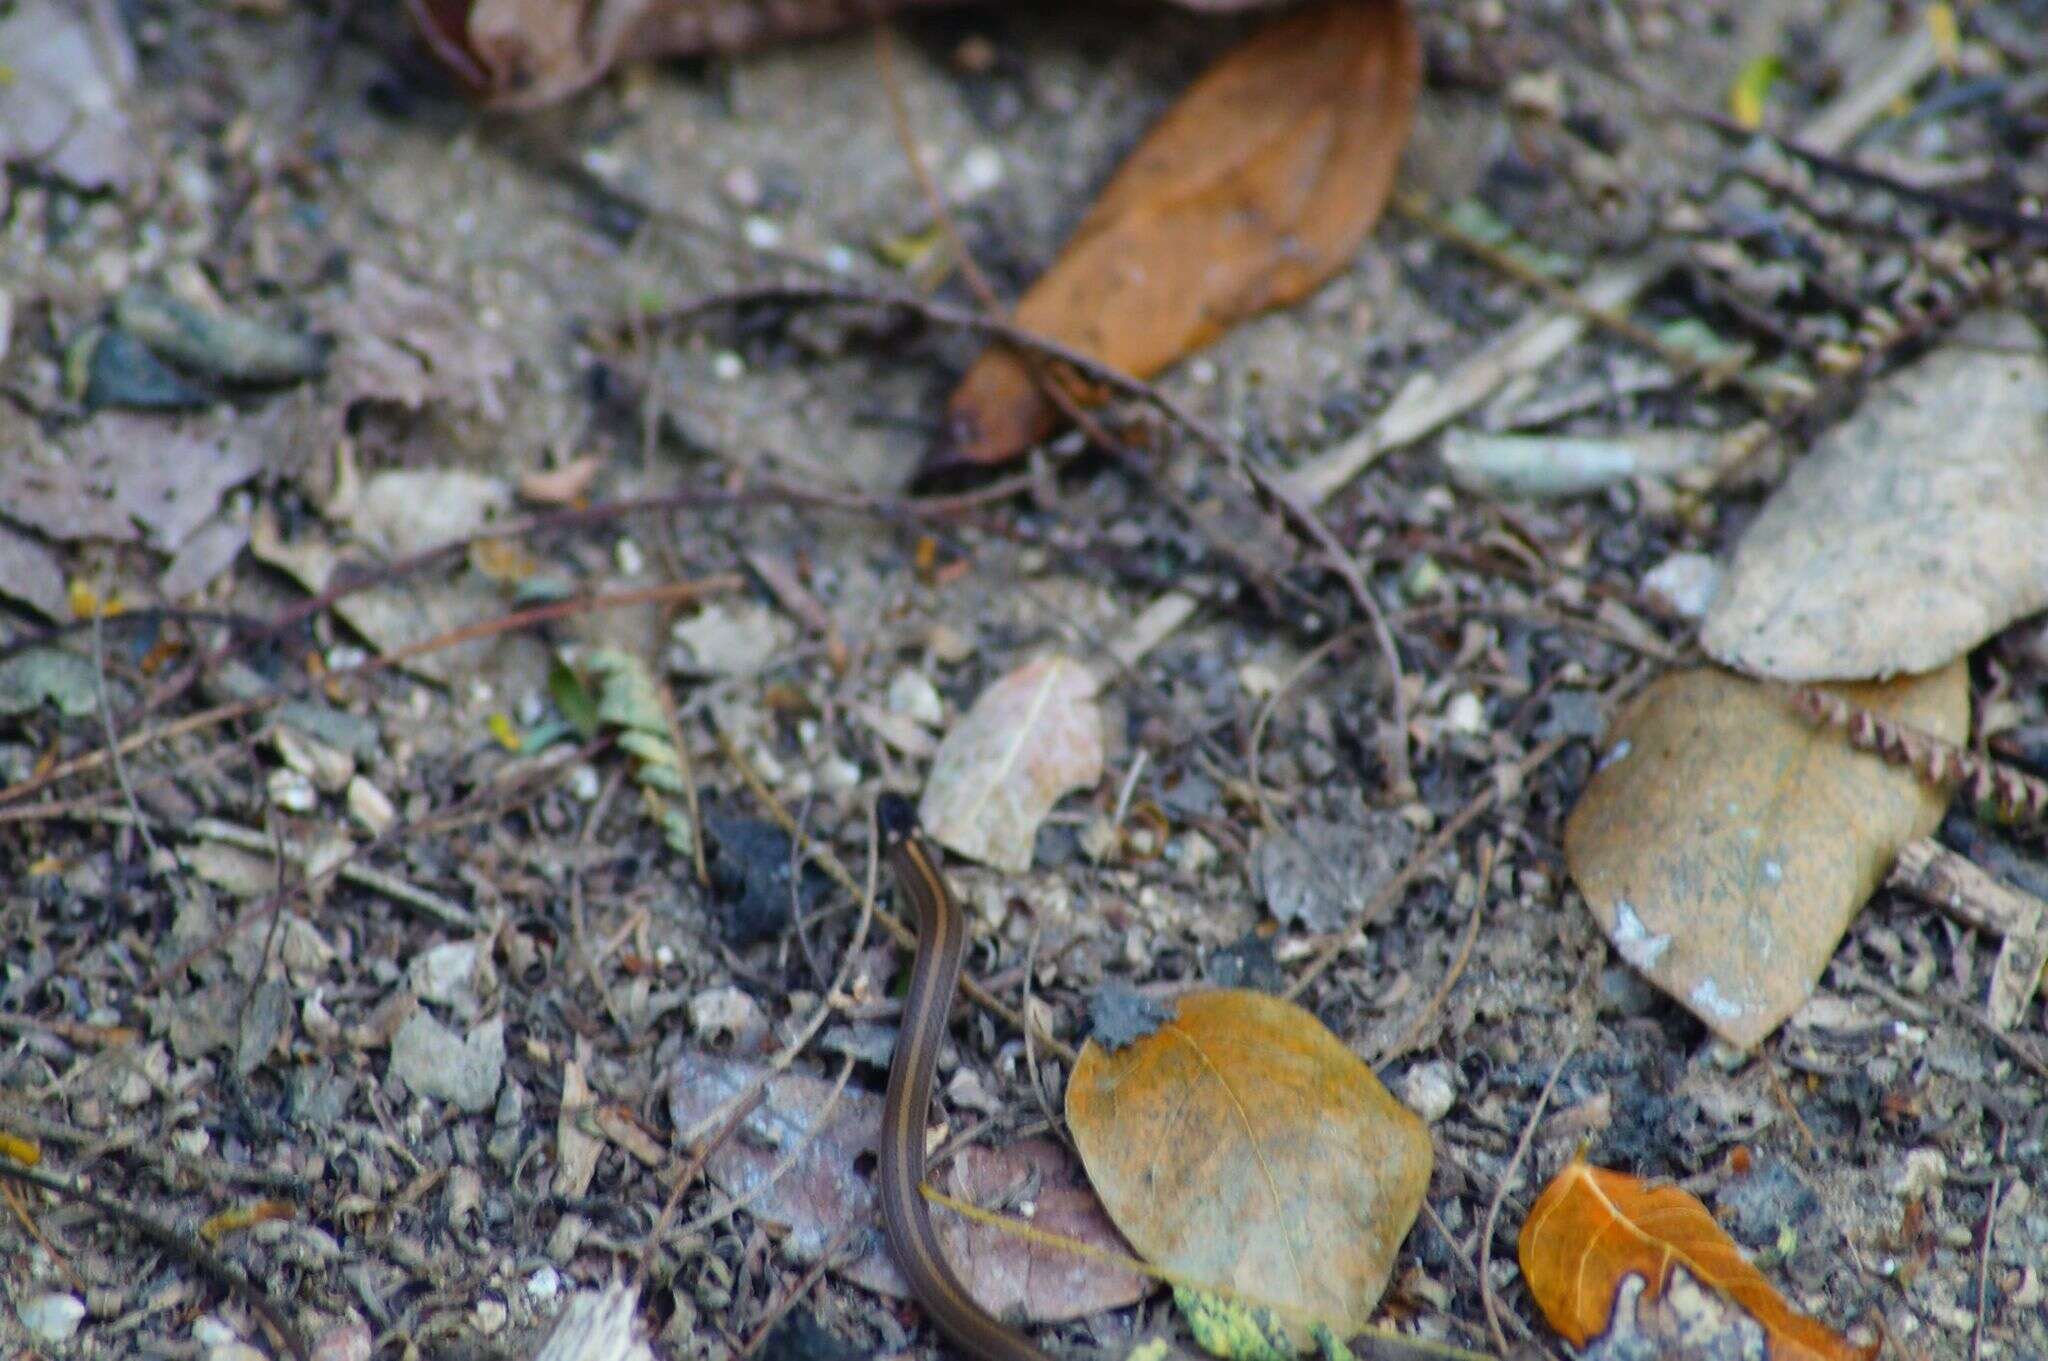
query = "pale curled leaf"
{"x": 1912, "y": 531}
{"x": 1725, "y": 844}
{"x": 1029, "y": 739}
{"x": 1243, "y": 1146}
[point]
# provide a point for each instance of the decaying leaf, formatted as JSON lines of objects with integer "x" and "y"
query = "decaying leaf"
{"x": 388, "y": 617}
{"x": 402, "y": 342}
{"x": 1242, "y": 1146}
{"x": 524, "y": 53}
{"x": 1030, "y": 738}
{"x": 1599, "y": 1246}
{"x": 1255, "y": 188}
{"x": 126, "y": 477}
{"x": 62, "y": 104}
{"x": 1912, "y": 531}
{"x": 1725, "y": 844}
{"x": 30, "y": 574}
{"x": 825, "y": 1188}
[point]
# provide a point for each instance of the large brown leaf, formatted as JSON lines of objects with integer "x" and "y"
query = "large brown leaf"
{"x": 1725, "y": 843}
{"x": 1593, "y": 1229}
{"x": 1257, "y": 186}
{"x": 1243, "y": 1146}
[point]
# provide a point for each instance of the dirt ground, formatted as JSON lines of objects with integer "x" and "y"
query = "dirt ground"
{"x": 193, "y": 1029}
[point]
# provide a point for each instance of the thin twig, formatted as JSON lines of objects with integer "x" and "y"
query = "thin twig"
{"x": 1457, "y": 969}
{"x": 229, "y": 712}
{"x": 1984, "y": 1253}
{"x": 1390, "y": 892}
{"x": 185, "y": 1247}
{"x": 905, "y": 937}
{"x": 742, "y": 1107}
{"x": 1500, "y": 1193}
{"x": 1346, "y": 567}
{"x": 798, "y": 1291}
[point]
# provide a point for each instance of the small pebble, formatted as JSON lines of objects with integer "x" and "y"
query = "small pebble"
{"x": 742, "y": 186}
{"x": 1465, "y": 714}
{"x": 53, "y": 1317}
{"x": 1682, "y": 585}
{"x": 544, "y": 1285}
{"x": 209, "y": 1331}
{"x": 491, "y": 1315}
{"x": 981, "y": 170}
{"x": 1430, "y": 1090}
{"x": 584, "y": 784}
{"x": 369, "y": 806}
{"x": 1191, "y": 852}
{"x": 728, "y": 367}
{"x": 292, "y": 791}
{"x": 915, "y": 698}
{"x": 761, "y": 234}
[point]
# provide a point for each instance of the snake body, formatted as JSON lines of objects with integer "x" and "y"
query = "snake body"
{"x": 941, "y": 941}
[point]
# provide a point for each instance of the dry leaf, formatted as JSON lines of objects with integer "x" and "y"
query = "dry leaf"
{"x": 70, "y": 67}
{"x": 1725, "y": 844}
{"x": 1255, "y": 188}
{"x": 1593, "y": 1231}
{"x": 1912, "y": 532}
{"x": 1243, "y": 1146}
{"x": 399, "y": 341}
{"x": 30, "y": 574}
{"x": 126, "y": 477}
{"x": 1031, "y": 737}
{"x": 561, "y": 486}
{"x": 825, "y": 1189}
{"x": 524, "y": 53}
{"x": 392, "y": 617}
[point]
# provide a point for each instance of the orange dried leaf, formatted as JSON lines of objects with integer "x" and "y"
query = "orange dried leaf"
{"x": 17, "y": 1149}
{"x": 1242, "y": 1146}
{"x": 1255, "y": 188}
{"x": 1594, "y": 1232}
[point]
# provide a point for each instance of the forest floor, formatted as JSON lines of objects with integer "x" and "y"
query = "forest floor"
{"x": 404, "y": 957}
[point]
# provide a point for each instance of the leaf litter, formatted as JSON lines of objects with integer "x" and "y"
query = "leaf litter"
{"x": 507, "y": 343}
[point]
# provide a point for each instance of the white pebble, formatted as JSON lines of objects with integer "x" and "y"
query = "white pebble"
{"x": 53, "y": 1317}
{"x": 1430, "y": 1090}
{"x": 292, "y": 791}
{"x": 544, "y": 1285}
{"x": 370, "y": 806}
{"x": 490, "y": 1316}
{"x": 915, "y": 698}
{"x": 1465, "y": 714}
{"x": 583, "y": 783}
{"x": 1682, "y": 585}
{"x": 728, "y": 367}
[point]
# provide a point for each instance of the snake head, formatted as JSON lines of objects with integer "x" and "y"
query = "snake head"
{"x": 897, "y": 817}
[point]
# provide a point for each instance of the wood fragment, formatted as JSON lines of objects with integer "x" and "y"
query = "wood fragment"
{"x": 1936, "y": 875}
